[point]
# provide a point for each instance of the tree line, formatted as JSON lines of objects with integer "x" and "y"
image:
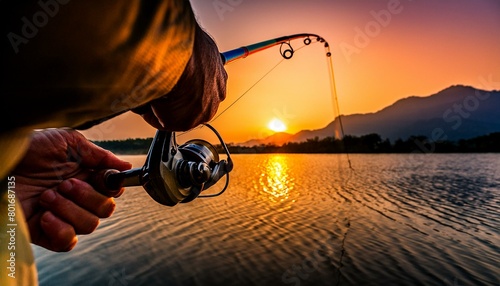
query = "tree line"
{"x": 370, "y": 143}
{"x": 126, "y": 147}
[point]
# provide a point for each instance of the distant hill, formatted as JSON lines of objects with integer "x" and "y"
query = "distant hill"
{"x": 275, "y": 139}
{"x": 457, "y": 112}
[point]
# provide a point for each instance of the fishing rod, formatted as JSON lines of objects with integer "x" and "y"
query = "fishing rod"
{"x": 175, "y": 174}
{"x": 286, "y": 49}
{"x": 287, "y": 52}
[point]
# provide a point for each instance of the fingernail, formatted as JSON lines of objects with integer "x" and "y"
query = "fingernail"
{"x": 48, "y": 196}
{"x": 72, "y": 244}
{"x": 65, "y": 186}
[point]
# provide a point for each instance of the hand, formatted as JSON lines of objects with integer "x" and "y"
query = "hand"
{"x": 52, "y": 185}
{"x": 198, "y": 93}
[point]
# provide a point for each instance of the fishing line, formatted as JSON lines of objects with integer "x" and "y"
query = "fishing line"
{"x": 336, "y": 108}
{"x": 237, "y": 99}
{"x": 246, "y": 91}
{"x": 285, "y": 57}
{"x": 287, "y": 52}
{"x": 342, "y": 253}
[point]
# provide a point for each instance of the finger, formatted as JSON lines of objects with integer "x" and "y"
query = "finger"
{"x": 84, "y": 222}
{"x": 86, "y": 197}
{"x": 151, "y": 118}
{"x": 93, "y": 156}
{"x": 147, "y": 114}
{"x": 59, "y": 236}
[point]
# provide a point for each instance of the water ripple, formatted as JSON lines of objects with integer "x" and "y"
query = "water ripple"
{"x": 304, "y": 219}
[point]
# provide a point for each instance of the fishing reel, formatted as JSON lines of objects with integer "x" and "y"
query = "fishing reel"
{"x": 175, "y": 174}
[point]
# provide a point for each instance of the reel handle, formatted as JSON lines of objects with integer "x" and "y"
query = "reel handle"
{"x": 112, "y": 179}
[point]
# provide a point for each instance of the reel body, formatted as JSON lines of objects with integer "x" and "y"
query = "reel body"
{"x": 175, "y": 174}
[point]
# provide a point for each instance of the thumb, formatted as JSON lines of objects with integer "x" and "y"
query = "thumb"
{"x": 95, "y": 157}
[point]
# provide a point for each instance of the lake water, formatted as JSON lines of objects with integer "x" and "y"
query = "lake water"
{"x": 301, "y": 219}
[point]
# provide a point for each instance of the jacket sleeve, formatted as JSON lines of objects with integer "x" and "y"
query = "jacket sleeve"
{"x": 71, "y": 62}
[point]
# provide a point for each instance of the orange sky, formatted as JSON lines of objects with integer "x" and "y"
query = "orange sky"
{"x": 382, "y": 51}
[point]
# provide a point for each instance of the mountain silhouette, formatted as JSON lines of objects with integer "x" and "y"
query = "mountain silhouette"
{"x": 457, "y": 112}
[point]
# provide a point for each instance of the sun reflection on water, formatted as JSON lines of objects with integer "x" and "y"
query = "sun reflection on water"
{"x": 275, "y": 181}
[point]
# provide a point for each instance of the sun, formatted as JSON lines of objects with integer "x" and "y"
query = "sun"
{"x": 276, "y": 125}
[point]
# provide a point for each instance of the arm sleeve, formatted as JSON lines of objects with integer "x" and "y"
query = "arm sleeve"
{"x": 72, "y": 62}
